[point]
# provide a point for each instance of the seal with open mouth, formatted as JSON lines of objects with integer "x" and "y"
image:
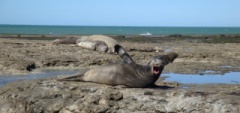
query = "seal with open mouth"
{"x": 129, "y": 73}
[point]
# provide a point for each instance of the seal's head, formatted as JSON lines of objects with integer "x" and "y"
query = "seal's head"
{"x": 56, "y": 42}
{"x": 160, "y": 61}
{"x": 101, "y": 46}
{"x": 157, "y": 65}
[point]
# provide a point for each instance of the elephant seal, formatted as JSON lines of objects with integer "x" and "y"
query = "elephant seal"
{"x": 100, "y": 42}
{"x": 129, "y": 73}
{"x": 110, "y": 42}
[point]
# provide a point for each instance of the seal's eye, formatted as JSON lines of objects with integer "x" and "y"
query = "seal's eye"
{"x": 163, "y": 63}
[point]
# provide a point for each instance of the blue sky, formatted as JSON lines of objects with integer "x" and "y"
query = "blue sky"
{"x": 121, "y": 12}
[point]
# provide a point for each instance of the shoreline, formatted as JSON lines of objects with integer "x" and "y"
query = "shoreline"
{"x": 219, "y": 38}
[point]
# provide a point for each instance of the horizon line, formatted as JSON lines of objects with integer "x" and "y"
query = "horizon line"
{"x": 107, "y": 25}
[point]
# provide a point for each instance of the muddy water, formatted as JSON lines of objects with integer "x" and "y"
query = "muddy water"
{"x": 46, "y": 74}
{"x": 208, "y": 78}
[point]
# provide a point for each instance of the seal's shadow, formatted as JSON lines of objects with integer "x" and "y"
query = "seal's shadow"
{"x": 156, "y": 87}
{"x": 163, "y": 87}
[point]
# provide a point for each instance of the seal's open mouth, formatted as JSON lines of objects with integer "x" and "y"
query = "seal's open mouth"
{"x": 156, "y": 70}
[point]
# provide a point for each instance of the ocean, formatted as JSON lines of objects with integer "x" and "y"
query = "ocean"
{"x": 115, "y": 30}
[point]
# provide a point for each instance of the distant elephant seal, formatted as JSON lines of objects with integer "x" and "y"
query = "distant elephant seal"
{"x": 100, "y": 42}
{"x": 110, "y": 42}
{"x": 129, "y": 74}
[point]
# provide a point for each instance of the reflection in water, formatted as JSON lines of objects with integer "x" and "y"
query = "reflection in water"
{"x": 225, "y": 67}
{"x": 227, "y": 78}
{"x": 6, "y": 79}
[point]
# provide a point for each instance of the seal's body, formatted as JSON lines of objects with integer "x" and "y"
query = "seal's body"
{"x": 110, "y": 42}
{"x": 92, "y": 42}
{"x": 129, "y": 73}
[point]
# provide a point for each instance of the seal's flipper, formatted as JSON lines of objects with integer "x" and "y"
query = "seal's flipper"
{"x": 66, "y": 40}
{"x": 166, "y": 59}
{"x": 75, "y": 77}
{"x": 123, "y": 54}
{"x": 72, "y": 78}
{"x": 171, "y": 56}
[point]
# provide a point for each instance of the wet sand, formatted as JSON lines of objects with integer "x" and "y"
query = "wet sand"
{"x": 26, "y": 54}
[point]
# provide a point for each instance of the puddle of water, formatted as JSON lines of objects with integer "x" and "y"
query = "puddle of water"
{"x": 46, "y": 74}
{"x": 227, "y": 78}
{"x": 225, "y": 66}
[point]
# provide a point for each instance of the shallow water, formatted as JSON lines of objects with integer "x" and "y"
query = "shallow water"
{"x": 208, "y": 78}
{"x": 46, "y": 74}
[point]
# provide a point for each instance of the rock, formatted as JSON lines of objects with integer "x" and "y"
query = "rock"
{"x": 53, "y": 96}
{"x": 15, "y": 106}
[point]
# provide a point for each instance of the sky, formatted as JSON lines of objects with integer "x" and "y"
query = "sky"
{"x": 205, "y": 13}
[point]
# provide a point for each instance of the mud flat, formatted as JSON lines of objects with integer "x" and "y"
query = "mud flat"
{"x": 218, "y": 54}
{"x": 197, "y": 53}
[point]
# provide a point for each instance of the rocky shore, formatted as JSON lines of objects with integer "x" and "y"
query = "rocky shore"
{"x": 31, "y": 53}
{"x": 51, "y": 96}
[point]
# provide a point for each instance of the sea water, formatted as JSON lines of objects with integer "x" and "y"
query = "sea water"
{"x": 208, "y": 78}
{"x": 4, "y": 79}
{"x": 227, "y": 78}
{"x": 115, "y": 30}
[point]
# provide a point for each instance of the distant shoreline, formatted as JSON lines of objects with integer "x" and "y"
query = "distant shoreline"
{"x": 115, "y": 30}
{"x": 220, "y": 38}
